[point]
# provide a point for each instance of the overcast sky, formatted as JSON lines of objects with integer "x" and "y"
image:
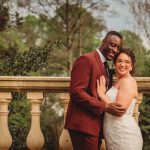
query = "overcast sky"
{"x": 123, "y": 20}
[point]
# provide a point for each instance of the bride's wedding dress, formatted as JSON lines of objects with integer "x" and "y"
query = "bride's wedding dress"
{"x": 121, "y": 133}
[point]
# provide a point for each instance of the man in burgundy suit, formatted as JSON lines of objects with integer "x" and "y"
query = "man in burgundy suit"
{"x": 85, "y": 109}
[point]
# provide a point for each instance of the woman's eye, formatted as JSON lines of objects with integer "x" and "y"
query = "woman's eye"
{"x": 119, "y": 61}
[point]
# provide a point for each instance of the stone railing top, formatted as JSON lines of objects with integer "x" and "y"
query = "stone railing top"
{"x": 52, "y": 84}
{"x": 143, "y": 84}
{"x": 31, "y": 83}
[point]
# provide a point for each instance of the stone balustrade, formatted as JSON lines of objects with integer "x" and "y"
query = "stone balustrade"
{"x": 35, "y": 87}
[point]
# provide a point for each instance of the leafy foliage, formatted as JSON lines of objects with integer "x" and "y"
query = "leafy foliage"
{"x": 145, "y": 121}
{"x": 13, "y": 62}
{"x": 4, "y": 15}
{"x": 19, "y": 120}
{"x": 51, "y": 121}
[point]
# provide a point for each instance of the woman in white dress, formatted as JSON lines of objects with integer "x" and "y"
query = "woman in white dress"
{"x": 121, "y": 133}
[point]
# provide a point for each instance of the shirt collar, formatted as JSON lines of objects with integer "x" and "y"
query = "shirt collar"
{"x": 103, "y": 59}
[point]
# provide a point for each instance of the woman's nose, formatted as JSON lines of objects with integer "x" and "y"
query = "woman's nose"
{"x": 122, "y": 63}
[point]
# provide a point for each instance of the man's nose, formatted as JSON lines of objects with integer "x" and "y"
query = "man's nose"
{"x": 115, "y": 49}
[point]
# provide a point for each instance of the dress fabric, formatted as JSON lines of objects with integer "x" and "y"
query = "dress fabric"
{"x": 121, "y": 133}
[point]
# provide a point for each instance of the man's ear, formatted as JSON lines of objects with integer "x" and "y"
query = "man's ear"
{"x": 103, "y": 41}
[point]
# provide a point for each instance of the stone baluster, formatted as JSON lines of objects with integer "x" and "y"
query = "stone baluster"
{"x": 136, "y": 109}
{"x": 35, "y": 138}
{"x": 64, "y": 140}
{"x": 5, "y": 137}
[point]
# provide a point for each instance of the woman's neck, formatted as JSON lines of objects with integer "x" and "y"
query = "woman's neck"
{"x": 123, "y": 76}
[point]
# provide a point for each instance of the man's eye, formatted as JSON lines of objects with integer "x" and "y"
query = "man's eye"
{"x": 113, "y": 45}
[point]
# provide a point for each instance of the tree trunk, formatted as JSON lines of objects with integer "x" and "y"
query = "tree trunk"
{"x": 68, "y": 33}
{"x": 80, "y": 34}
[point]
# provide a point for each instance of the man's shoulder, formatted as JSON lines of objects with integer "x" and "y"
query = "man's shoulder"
{"x": 87, "y": 57}
{"x": 89, "y": 54}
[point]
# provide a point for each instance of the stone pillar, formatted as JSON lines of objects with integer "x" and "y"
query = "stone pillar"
{"x": 136, "y": 109}
{"x": 5, "y": 137}
{"x": 64, "y": 140}
{"x": 35, "y": 138}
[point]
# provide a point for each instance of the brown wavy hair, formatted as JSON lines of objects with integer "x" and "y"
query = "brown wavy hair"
{"x": 130, "y": 53}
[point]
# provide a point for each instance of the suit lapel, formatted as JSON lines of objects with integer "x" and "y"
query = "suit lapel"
{"x": 100, "y": 64}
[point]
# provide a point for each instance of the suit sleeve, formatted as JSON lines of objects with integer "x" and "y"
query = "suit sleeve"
{"x": 80, "y": 78}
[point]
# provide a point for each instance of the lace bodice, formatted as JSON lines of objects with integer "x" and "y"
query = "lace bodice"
{"x": 112, "y": 94}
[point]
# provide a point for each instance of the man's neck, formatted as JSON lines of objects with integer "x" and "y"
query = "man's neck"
{"x": 103, "y": 59}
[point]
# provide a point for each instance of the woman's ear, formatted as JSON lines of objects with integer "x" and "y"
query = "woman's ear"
{"x": 131, "y": 70}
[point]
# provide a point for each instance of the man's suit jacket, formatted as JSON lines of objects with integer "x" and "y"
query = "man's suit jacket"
{"x": 85, "y": 108}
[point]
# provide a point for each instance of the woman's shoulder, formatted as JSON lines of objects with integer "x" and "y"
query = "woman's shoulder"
{"x": 129, "y": 82}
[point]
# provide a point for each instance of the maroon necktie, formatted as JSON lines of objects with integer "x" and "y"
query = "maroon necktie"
{"x": 107, "y": 73}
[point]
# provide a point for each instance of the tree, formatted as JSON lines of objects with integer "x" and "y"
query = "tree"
{"x": 86, "y": 28}
{"x": 83, "y": 32}
{"x": 4, "y": 14}
{"x": 141, "y": 11}
{"x": 70, "y": 17}
{"x": 144, "y": 121}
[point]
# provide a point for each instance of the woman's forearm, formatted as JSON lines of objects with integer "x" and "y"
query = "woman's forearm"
{"x": 104, "y": 98}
